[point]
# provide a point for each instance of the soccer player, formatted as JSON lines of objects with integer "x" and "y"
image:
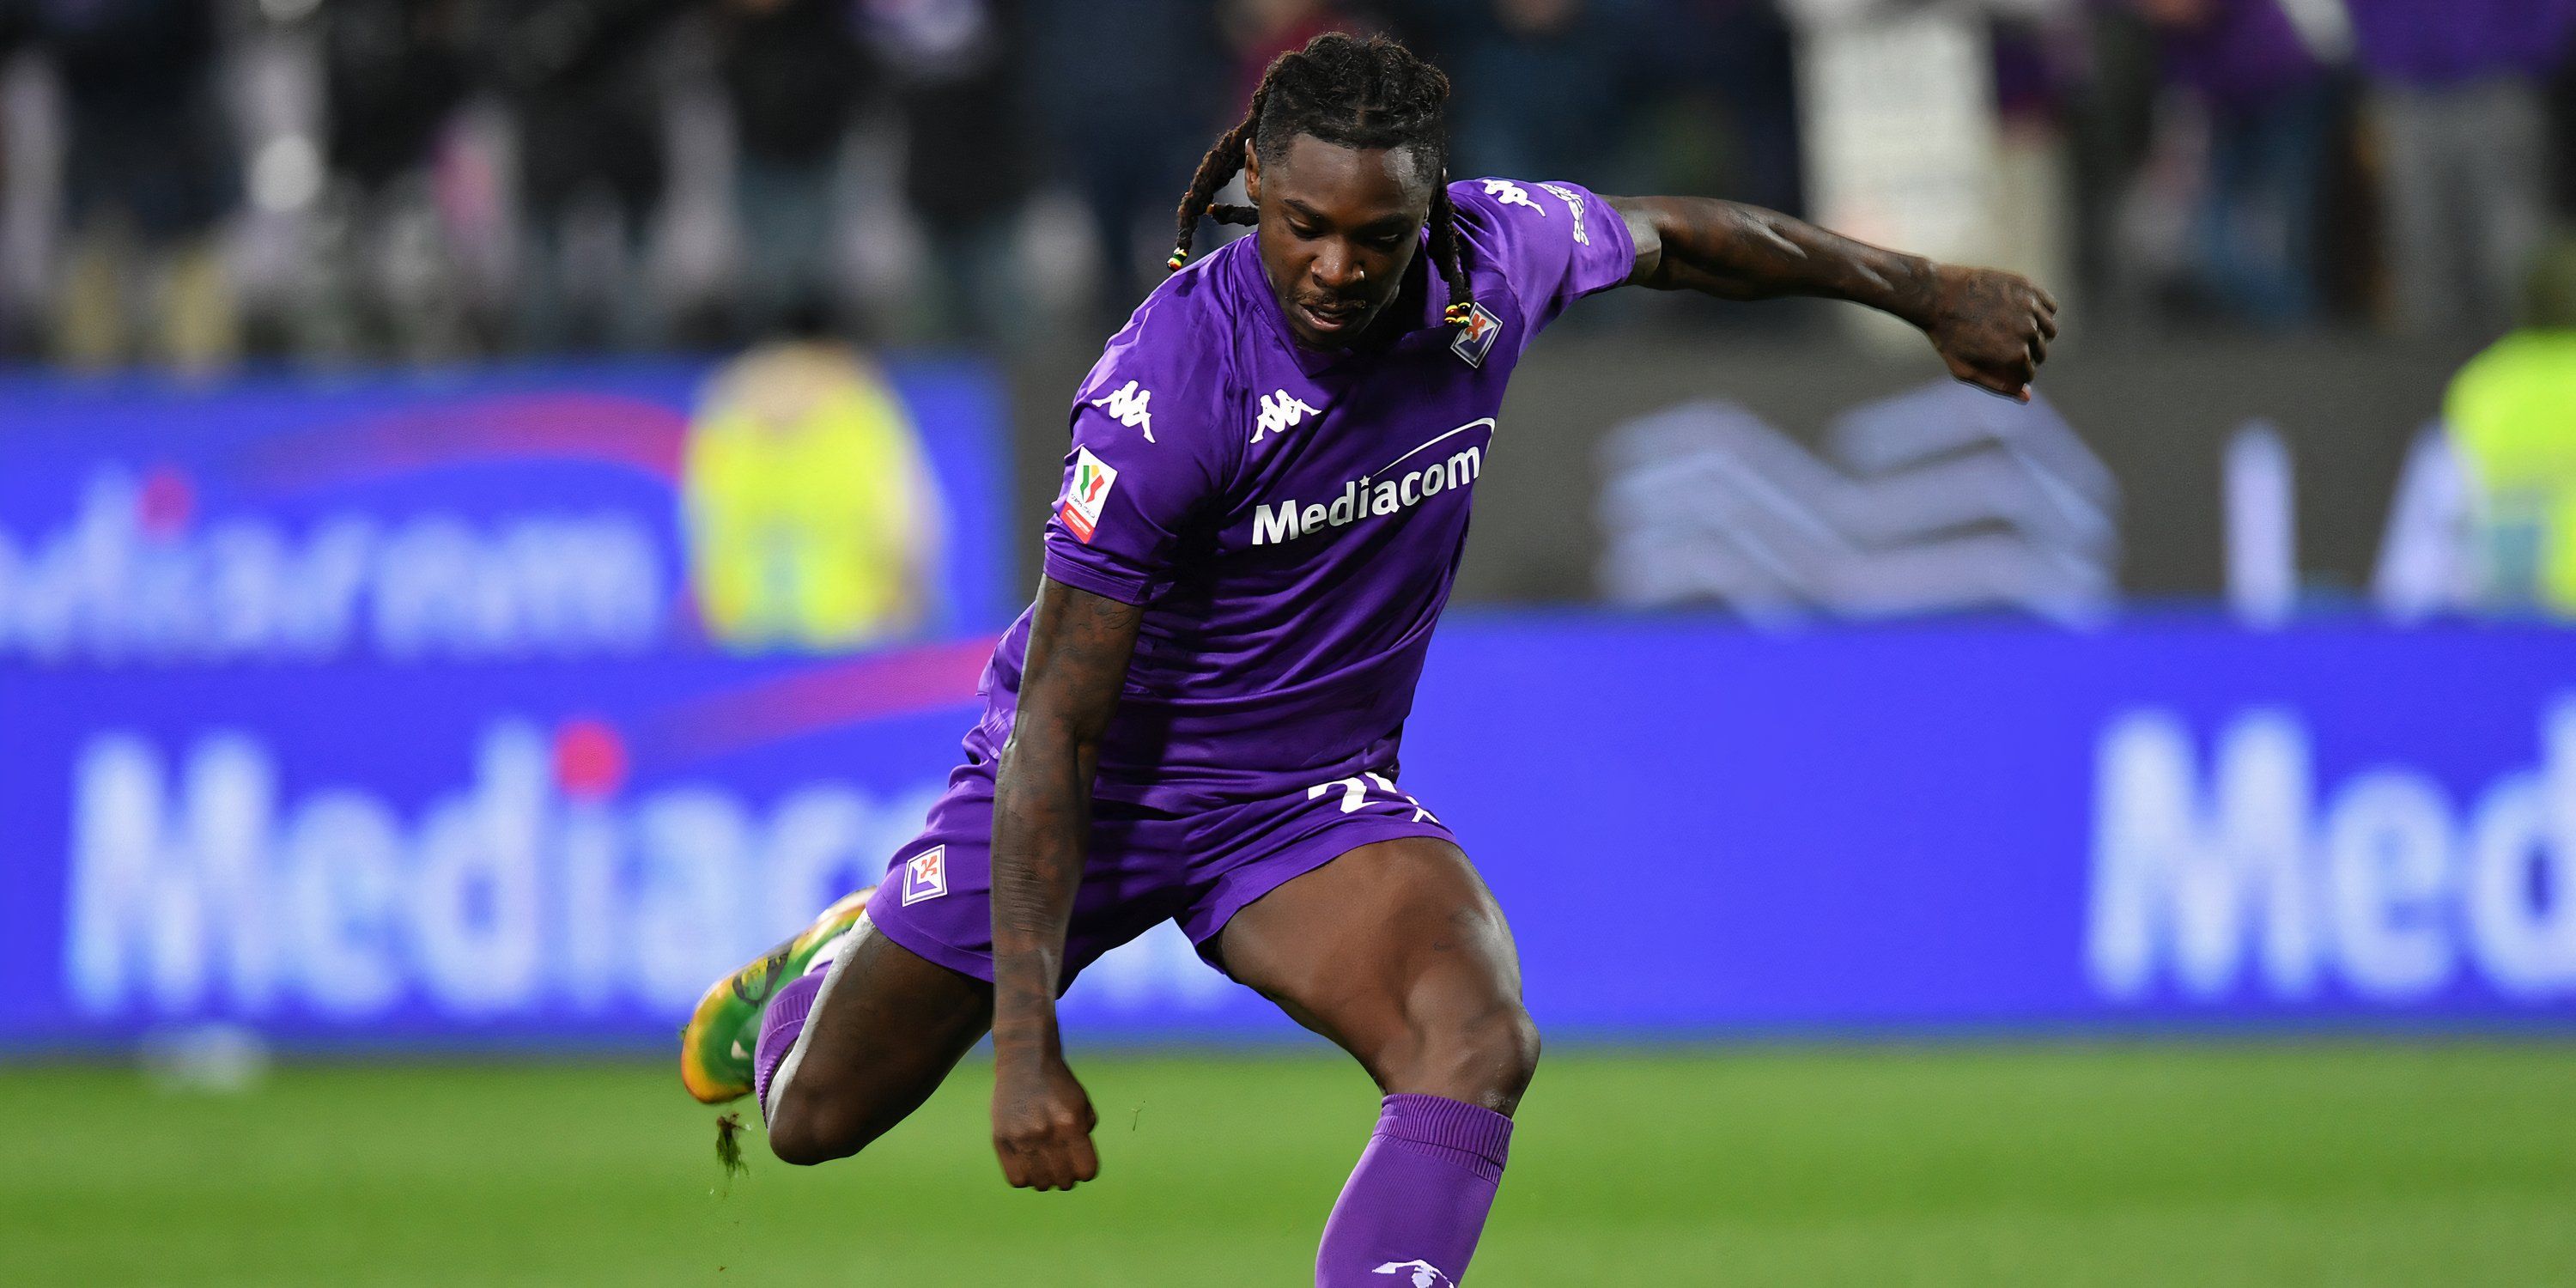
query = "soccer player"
{"x": 1199, "y": 717}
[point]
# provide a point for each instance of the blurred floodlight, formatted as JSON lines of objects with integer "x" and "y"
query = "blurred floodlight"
{"x": 287, "y": 173}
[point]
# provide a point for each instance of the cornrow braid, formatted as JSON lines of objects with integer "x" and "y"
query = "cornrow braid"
{"x": 1355, "y": 93}
{"x": 1216, "y": 169}
{"x": 1444, "y": 252}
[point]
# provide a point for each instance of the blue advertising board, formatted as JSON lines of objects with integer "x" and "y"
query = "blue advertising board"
{"x": 461, "y": 736}
{"x": 2168, "y": 823}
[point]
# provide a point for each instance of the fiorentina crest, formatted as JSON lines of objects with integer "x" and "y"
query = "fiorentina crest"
{"x": 1475, "y": 336}
{"x": 925, "y": 875}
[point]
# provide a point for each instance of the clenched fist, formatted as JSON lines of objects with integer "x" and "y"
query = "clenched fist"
{"x": 1991, "y": 327}
{"x": 1042, "y": 1123}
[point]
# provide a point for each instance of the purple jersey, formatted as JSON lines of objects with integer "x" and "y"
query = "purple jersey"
{"x": 1291, "y": 519}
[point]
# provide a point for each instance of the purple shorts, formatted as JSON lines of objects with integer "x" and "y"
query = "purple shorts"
{"x": 1143, "y": 866}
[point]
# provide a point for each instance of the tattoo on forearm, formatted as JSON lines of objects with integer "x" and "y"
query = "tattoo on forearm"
{"x": 1741, "y": 252}
{"x": 1079, "y": 648}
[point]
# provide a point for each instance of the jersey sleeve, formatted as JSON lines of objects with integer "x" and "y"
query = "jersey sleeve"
{"x": 1553, "y": 242}
{"x": 1141, "y": 470}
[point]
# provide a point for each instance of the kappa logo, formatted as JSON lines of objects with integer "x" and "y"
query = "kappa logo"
{"x": 1476, "y": 336}
{"x": 1573, "y": 205}
{"x": 1425, "y": 1274}
{"x": 925, "y": 875}
{"x": 1512, "y": 194}
{"x": 1092, "y": 479}
{"x": 1128, "y": 406}
{"x": 1281, "y": 412}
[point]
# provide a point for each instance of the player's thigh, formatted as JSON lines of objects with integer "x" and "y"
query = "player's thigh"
{"x": 884, "y": 1034}
{"x": 1398, "y": 952}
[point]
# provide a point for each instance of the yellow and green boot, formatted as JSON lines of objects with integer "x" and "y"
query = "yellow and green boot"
{"x": 717, "y": 1044}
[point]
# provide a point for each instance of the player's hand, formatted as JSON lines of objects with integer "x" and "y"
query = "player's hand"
{"x": 1042, "y": 1123}
{"x": 1991, "y": 327}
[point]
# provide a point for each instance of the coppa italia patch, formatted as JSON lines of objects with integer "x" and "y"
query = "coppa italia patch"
{"x": 1092, "y": 479}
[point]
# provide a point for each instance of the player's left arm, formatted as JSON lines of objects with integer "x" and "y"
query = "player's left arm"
{"x": 1991, "y": 327}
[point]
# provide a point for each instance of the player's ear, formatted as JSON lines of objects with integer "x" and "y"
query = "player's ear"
{"x": 1251, "y": 173}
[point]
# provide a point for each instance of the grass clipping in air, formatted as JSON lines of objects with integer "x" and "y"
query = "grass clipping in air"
{"x": 729, "y": 1148}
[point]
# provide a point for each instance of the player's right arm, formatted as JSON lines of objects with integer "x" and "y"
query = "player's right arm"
{"x": 1112, "y": 546}
{"x": 1079, "y": 646}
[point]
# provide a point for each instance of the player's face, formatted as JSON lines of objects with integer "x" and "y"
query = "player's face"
{"x": 1338, "y": 228}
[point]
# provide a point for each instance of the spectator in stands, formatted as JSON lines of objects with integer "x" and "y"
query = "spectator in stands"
{"x": 955, "y": 67}
{"x": 2453, "y": 99}
{"x": 584, "y": 76}
{"x": 1746, "y": 57}
{"x": 1257, "y": 31}
{"x": 1130, "y": 89}
{"x": 2272, "y": 106}
{"x": 394, "y": 72}
{"x": 150, "y": 172}
{"x": 792, "y": 72}
{"x": 1540, "y": 85}
{"x": 14, "y": 33}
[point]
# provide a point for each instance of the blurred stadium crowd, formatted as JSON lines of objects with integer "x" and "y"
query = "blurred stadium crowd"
{"x": 196, "y": 181}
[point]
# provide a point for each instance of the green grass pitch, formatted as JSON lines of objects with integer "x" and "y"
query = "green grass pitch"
{"x": 2337, "y": 1164}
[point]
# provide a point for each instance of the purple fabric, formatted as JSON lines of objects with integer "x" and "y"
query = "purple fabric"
{"x": 2442, "y": 42}
{"x": 1411, "y": 1212}
{"x": 2246, "y": 55}
{"x": 1292, "y": 518}
{"x": 779, "y": 1025}
{"x": 1141, "y": 867}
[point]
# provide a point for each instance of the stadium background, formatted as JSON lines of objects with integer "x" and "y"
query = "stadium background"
{"x": 502, "y": 508}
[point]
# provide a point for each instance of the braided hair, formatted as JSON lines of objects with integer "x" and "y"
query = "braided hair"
{"x": 1352, "y": 93}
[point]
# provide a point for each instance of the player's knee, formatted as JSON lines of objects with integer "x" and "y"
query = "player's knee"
{"x": 1507, "y": 1050}
{"x": 808, "y": 1128}
{"x": 1485, "y": 1056}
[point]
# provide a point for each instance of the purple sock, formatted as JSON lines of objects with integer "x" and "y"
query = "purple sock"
{"x": 780, "y": 1022}
{"x": 1410, "y": 1215}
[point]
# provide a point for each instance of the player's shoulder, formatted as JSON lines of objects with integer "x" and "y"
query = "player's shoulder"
{"x": 1493, "y": 197}
{"x": 1494, "y": 209}
{"x": 1545, "y": 240}
{"x": 1178, "y": 358}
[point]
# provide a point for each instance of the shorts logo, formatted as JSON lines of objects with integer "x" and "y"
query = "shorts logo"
{"x": 925, "y": 875}
{"x": 1092, "y": 479}
{"x": 1423, "y": 1273}
{"x": 1476, "y": 337}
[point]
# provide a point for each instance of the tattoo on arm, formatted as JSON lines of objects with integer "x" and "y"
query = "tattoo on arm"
{"x": 1741, "y": 252}
{"x": 1079, "y": 648}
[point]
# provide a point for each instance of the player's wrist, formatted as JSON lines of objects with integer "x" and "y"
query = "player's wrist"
{"x": 1028, "y": 1057}
{"x": 1916, "y": 291}
{"x": 1025, "y": 1035}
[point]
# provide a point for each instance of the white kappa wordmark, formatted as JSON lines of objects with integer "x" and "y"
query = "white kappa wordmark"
{"x": 1281, "y": 412}
{"x": 1128, "y": 406}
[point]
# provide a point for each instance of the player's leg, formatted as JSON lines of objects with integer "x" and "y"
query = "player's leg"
{"x": 850, "y": 1049}
{"x": 1398, "y": 953}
